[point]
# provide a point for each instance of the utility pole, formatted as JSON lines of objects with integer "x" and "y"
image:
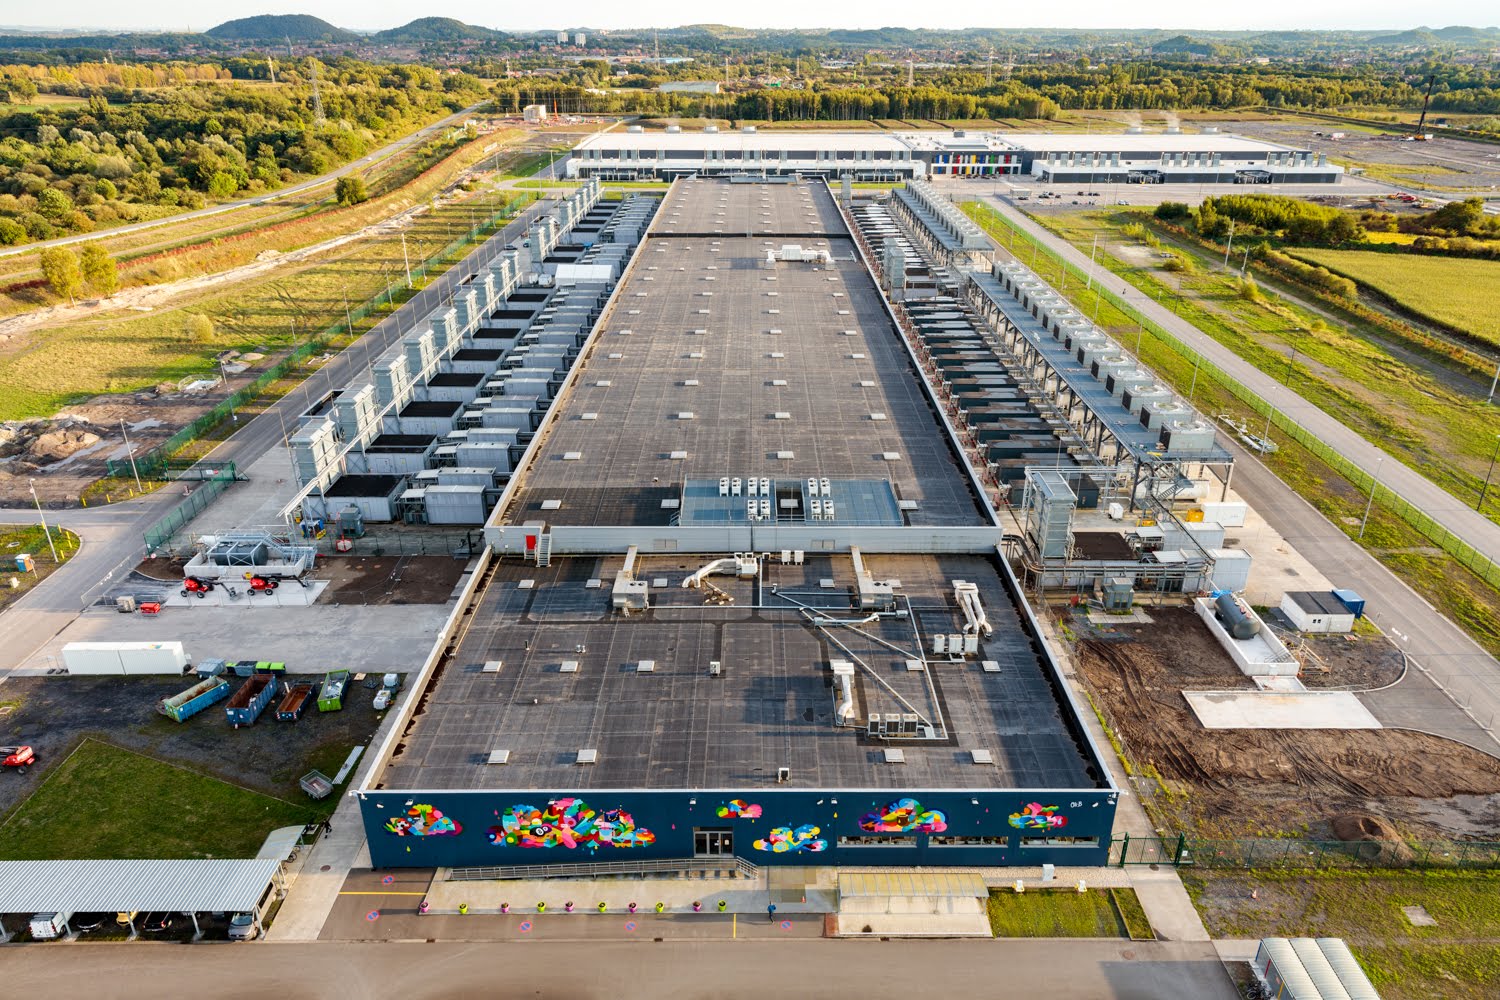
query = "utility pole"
{"x": 406, "y": 260}
{"x": 1496, "y": 380}
{"x": 1374, "y": 484}
{"x": 45, "y": 530}
{"x": 1095, "y": 249}
{"x": 1228, "y": 245}
{"x": 137, "y": 472}
{"x": 1487, "y": 475}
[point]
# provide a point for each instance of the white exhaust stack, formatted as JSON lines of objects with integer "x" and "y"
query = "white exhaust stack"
{"x": 967, "y": 595}
{"x": 843, "y": 676}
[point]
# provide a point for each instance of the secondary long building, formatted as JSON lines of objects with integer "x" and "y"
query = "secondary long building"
{"x": 1134, "y": 156}
{"x": 743, "y": 597}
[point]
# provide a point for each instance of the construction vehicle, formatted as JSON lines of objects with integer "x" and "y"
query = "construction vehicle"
{"x": 1418, "y": 135}
{"x": 17, "y": 758}
{"x": 262, "y": 584}
{"x": 196, "y": 585}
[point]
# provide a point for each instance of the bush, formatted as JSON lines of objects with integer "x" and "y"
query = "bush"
{"x": 99, "y": 270}
{"x": 198, "y": 328}
{"x": 12, "y": 233}
{"x": 60, "y": 268}
{"x": 1318, "y": 277}
{"x": 221, "y": 185}
{"x": 1172, "y": 211}
{"x": 350, "y": 190}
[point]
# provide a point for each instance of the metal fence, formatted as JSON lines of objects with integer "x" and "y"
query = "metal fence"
{"x": 1296, "y": 853}
{"x": 1465, "y": 554}
{"x": 205, "y": 493}
{"x": 155, "y": 462}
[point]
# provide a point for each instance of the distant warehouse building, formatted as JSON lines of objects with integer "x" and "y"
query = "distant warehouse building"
{"x": 689, "y": 87}
{"x": 1131, "y": 157}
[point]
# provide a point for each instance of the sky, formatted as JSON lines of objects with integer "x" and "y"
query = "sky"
{"x": 193, "y": 15}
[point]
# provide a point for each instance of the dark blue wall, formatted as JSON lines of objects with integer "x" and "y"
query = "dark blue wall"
{"x": 611, "y": 817}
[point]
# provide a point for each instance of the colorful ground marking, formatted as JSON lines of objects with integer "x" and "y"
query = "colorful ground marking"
{"x": 525, "y": 927}
{"x": 630, "y": 925}
{"x": 372, "y": 916}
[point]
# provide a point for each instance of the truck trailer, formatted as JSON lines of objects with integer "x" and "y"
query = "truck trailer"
{"x": 246, "y": 704}
{"x": 181, "y": 707}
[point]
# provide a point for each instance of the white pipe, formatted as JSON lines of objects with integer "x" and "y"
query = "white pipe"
{"x": 845, "y": 710}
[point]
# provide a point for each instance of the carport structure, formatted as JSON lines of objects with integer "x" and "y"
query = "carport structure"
{"x": 138, "y": 886}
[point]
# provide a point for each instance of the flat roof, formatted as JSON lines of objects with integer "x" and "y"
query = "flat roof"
{"x": 1319, "y": 602}
{"x": 797, "y": 359}
{"x": 677, "y": 726}
{"x": 1144, "y": 142}
{"x": 706, "y": 348}
{"x": 798, "y": 139}
{"x": 188, "y": 886}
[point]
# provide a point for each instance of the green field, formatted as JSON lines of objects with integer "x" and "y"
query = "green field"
{"x": 1057, "y": 913}
{"x": 105, "y": 802}
{"x": 1457, "y": 292}
{"x": 1457, "y": 958}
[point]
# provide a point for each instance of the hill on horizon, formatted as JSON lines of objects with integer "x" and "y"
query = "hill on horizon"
{"x": 275, "y": 27}
{"x": 438, "y": 29}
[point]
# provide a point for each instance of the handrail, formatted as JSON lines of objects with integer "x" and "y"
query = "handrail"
{"x": 739, "y": 866}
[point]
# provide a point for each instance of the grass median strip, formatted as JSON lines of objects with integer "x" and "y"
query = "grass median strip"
{"x": 1059, "y": 913}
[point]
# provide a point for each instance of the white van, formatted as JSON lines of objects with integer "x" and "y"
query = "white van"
{"x": 46, "y": 926}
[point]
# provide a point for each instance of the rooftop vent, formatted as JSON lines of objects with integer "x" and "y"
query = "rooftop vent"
{"x": 492, "y": 667}
{"x": 645, "y": 667}
{"x": 895, "y": 756}
{"x": 568, "y": 667}
{"x": 498, "y": 757}
{"x": 982, "y": 756}
{"x": 588, "y": 756}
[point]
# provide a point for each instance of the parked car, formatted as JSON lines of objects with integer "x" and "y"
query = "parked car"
{"x": 242, "y": 927}
{"x": 156, "y": 923}
{"x": 84, "y": 922}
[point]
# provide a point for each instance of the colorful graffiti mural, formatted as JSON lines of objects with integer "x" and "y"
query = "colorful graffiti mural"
{"x": 1036, "y": 816}
{"x": 903, "y": 816}
{"x": 569, "y": 823}
{"x": 739, "y": 809}
{"x": 423, "y": 820}
{"x": 784, "y": 840}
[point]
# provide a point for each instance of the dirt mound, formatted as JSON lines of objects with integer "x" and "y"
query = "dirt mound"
{"x": 1385, "y": 843}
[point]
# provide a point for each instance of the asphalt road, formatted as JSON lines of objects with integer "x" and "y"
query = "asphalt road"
{"x": 1077, "y": 970}
{"x": 1454, "y": 663}
{"x": 230, "y": 206}
{"x": 113, "y": 537}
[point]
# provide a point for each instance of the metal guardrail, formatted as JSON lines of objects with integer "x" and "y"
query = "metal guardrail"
{"x": 736, "y": 867}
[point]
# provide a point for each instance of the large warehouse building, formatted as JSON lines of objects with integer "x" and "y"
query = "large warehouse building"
{"x": 744, "y": 597}
{"x": 1135, "y": 156}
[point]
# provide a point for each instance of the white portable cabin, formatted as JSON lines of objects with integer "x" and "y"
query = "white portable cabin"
{"x": 1317, "y": 611}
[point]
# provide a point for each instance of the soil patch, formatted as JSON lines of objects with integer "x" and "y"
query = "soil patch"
{"x": 1242, "y": 783}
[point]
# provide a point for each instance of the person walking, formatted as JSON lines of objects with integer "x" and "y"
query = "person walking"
{"x": 771, "y": 912}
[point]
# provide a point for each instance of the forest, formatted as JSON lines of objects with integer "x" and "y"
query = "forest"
{"x": 142, "y": 140}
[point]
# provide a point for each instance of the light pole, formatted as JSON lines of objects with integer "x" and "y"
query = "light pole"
{"x": 1487, "y": 475}
{"x": 1229, "y": 245}
{"x": 404, "y": 259}
{"x": 134, "y": 471}
{"x": 45, "y": 530}
{"x": 1090, "y": 283}
{"x": 1374, "y": 484}
{"x": 1493, "y": 382}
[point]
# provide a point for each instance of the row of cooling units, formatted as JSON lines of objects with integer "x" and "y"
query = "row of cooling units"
{"x": 433, "y": 432}
{"x": 1006, "y": 424}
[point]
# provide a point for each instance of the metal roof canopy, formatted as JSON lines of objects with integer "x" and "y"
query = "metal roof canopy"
{"x": 187, "y": 886}
{"x": 928, "y": 885}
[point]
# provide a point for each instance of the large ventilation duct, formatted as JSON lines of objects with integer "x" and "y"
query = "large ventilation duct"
{"x": 967, "y": 595}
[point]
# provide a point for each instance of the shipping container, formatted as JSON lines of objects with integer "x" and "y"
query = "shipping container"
{"x": 246, "y": 704}
{"x": 331, "y": 697}
{"x": 195, "y": 699}
{"x": 125, "y": 658}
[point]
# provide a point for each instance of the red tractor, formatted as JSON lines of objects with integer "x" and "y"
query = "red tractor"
{"x": 195, "y": 585}
{"x": 19, "y": 758}
{"x": 262, "y": 584}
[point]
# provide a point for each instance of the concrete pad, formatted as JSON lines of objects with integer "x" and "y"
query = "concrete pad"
{"x": 1276, "y": 566}
{"x": 920, "y": 925}
{"x": 289, "y": 595}
{"x": 1280, "y": 710}
{"x": 1137, "y": 616}
{"x": 1236, "y": 949}
{"x": 372, "y": 638}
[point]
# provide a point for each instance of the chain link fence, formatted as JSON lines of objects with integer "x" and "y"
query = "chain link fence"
{"x": 1296, "y": 853}
{"x": 1464, "y": 553}
{"x": 154, "y": 463}
{"x": 205, "y": 493}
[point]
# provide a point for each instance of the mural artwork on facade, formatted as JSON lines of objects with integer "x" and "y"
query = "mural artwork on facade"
{"x": 422, "y": 820}
{"x": 569, "y": 823}
{"x": 739, "y": 809}
{"x": 784, "y": 840}
{"x": 1036, "y": 816}
{"x": 903, "y": 816}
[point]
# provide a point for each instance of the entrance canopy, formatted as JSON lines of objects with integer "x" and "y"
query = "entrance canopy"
{"x": 187, "y": 886}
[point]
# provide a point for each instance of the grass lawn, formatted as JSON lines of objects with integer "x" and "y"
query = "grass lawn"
{"x": 105, "y": 802}
{"x": 1060, "y": 913}
{"x": 1457, "y": 292}
{"x": 1438, "y": 577}
{"x": 18, "y": 539}
{"x": 1458, "y": 958}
